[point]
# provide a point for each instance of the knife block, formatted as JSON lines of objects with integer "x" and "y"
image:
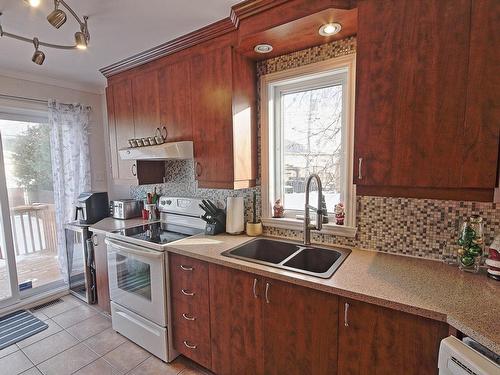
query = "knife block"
{"x": 218, "y": 227}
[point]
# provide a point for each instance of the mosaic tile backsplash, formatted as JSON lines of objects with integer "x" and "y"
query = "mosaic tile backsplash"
{"x": 416, "y": 227}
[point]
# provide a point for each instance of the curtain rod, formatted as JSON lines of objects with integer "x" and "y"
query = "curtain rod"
{"x": 26, "y": 99}
{"x": 4, "y": 96}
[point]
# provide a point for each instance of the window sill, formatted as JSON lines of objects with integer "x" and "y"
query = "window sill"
{"x": 295, "y": 224}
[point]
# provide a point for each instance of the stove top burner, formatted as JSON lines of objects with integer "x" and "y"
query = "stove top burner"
{"x": 153, "y": 232}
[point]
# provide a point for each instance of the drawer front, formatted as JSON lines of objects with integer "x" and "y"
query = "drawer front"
{"x": 190, "y": 308}
{"x": 192, "y": 337}
{"x": 189, "y": 280}
{"x": 141, "y": 331}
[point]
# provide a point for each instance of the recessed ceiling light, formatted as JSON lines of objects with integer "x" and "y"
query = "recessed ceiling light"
{"x": 263, "y": 48}
{"x": 330, "y": 29}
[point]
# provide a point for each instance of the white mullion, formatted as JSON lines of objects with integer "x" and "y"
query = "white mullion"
{"x": 7, "y": 243}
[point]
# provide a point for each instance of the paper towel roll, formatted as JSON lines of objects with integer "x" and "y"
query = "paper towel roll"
{"x": 235, "y": 215}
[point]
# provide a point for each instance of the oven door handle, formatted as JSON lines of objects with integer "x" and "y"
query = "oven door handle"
{"x": 136, "y": 250}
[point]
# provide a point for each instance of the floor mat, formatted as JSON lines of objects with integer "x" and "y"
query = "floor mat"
{"x": 17, "y": 326}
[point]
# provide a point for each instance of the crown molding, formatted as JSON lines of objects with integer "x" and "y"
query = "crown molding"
{"x": 249, "y": 8}
{"x": 211, "y": 31}
{"x": 238, "y": 12}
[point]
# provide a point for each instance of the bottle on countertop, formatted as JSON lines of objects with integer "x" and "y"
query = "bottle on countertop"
{"x": 155, "y": 197}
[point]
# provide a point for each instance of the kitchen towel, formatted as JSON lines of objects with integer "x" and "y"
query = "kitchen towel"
{"x": 235, "y": 215}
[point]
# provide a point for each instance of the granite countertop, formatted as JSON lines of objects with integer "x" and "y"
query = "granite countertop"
{"x": 432, "y": 289}
{"x": 109, "y": 224}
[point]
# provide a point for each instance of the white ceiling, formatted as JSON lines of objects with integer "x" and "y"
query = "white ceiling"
{"x": 118, "y": 28}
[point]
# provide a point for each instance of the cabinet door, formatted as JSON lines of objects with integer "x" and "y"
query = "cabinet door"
{"x": 235, "y": 321}
{"x": 299, "y": 329}
{"x": 175, "y": 101}
{"x": 376, "y": 341}
{"x": 482, "y": 117}
{"x": 411, "y": 91}
{"x": 146, "y": 101}
{"x": 211, "y": 104}
{"x": 101, "y": 269}
{"x": 121, "y": 128}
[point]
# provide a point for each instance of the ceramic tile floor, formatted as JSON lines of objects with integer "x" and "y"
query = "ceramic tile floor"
{"x": 80, "y": 341}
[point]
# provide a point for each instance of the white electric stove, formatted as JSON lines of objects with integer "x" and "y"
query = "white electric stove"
{"x": 138, "y": 274}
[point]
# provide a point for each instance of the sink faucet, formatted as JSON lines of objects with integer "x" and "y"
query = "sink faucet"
{"x": 319, "y": 210}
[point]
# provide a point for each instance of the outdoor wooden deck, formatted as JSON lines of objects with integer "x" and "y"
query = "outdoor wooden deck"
{"x": 41, "y": 268}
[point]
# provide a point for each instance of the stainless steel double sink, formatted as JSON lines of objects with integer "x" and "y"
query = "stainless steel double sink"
{"x": 309, "y": 260}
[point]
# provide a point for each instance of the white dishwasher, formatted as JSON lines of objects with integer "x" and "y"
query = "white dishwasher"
{"x": 457, "y": 358}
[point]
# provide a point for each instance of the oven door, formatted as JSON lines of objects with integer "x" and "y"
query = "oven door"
{"x": 137, "y": 279}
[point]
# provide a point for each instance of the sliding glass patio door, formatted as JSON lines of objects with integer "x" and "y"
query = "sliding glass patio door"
{"x": 29, "y": 262}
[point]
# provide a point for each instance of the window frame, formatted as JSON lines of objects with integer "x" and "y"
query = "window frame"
{"x": 309, "y": 77}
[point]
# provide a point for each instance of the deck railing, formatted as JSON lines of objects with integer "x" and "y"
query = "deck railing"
{"x": 33, "y": 229}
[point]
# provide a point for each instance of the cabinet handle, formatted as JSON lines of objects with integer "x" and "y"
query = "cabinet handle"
{"x": 134, "y": 170}
{"x": 188, "y": 345}
{"x": 186, "y": 268}
{"x": 187, "y": 292}
{"x": 187, "y": 317}
{"x": 255, "y": 288}
{"x": 198, "y": 169}
{"x": 346, "y": 310}
{"x": 164, "y": 129}
{"x": 267, "y": 292}
{"x": 94, "y": 240}
{"x": 360, "y": 164}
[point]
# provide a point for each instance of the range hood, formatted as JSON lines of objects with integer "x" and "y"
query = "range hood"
{"x": 166, "y": 151}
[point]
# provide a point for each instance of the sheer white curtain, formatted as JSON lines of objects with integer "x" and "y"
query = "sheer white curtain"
{"x": 70, "y": 165}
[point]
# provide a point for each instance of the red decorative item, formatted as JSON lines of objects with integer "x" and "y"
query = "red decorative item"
{"x": 493, "y": 261}
{"x": 339, "y": 211}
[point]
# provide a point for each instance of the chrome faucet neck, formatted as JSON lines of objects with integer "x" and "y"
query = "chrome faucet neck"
{"x": 319, "y": 211}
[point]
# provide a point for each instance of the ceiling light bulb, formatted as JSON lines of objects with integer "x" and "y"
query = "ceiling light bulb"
{"x": 80, "y": 40}
{"x": 57, "y": 18}
{"x": 263, "y": 48}
{"x": 330, "y": 29}
{"x": 34, "y": 3}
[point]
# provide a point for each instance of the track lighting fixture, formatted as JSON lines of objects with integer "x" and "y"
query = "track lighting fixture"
{"x": 56, "y": 18}
{"x": 38, "y": 57}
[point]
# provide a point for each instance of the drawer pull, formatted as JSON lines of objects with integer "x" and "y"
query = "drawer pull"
{"x": 187, "y": 317}
{"x": 255, "y": 288}
{"x": 346, "y": 311}
{"x": 360, "y": 164}
{"x": 188, "y": 345}
{"x": 187, "y": 292}
{"x": 186, "y": 268}
{"x": 267, "y": 292}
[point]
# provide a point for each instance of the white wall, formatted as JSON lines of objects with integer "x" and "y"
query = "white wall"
{"x": 98, "y": 122}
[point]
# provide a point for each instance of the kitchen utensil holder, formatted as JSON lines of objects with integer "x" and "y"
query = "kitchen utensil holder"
{"x": 218, "y": 227}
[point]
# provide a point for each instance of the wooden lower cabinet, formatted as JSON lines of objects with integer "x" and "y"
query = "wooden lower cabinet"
{"x": 287, "y": 330}
{"x": 249, "y": 324}
{"x": 190, "y": 308}
{"x": 299, "y": 330}
{"x": 375, "y": 340}
{"x": 101, "y": 270}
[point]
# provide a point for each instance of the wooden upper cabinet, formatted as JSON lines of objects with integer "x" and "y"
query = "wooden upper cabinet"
{"x": 121, "y": 128}
{"x": 145, "y": 93}
{"x": 175, "y": 101}
{"x": 411, "y": 97}
{"x": 299, "y": 330}
{"x": 223, "y": 103}
{"x": 375, "y": 340}
{"x": 482, "y": 116}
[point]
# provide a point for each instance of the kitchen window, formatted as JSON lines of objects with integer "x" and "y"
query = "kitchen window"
{"x": 307, "y": 127}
